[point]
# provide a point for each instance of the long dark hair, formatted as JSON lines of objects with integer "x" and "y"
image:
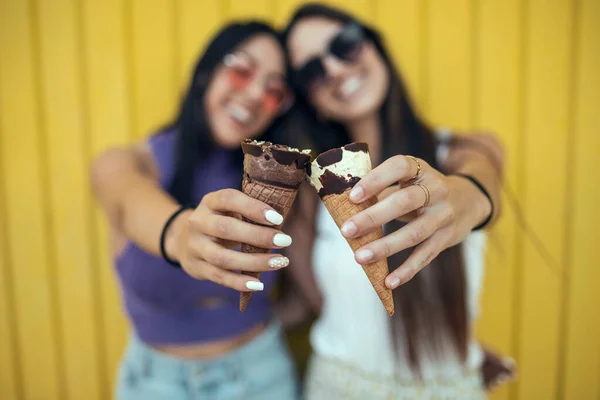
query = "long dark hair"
{"x": 422, "y": 321}
{"x": 194, "y": 139}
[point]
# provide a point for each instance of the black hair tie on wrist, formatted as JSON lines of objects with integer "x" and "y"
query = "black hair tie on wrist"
{"x": 163, "y": 235}
{"x": 486, "y": 194}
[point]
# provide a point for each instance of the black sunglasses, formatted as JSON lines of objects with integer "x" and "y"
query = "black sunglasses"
{"x": 346, "y": 46}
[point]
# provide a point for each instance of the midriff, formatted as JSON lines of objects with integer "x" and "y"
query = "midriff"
{"x": 212, "y": 349}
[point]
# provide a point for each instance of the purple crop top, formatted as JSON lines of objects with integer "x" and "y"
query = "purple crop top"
{"x": 164, "y": 304}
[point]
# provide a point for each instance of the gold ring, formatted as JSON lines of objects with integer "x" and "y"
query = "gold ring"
{"x": 419, "y": 169}
{"x": 427, "y": 194}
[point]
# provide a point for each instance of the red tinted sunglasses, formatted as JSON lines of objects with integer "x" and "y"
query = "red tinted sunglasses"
{"x": 241, "y": 71}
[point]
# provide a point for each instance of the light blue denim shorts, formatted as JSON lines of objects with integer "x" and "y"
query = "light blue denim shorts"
{"x": 260, "y": 369}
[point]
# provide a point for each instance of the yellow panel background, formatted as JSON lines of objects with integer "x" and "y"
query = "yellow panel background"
{"x": 80, "y": 76}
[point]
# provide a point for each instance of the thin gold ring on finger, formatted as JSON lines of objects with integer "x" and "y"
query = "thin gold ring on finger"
{"x": 427, "y": 194}
{"x": 419, "y": 169}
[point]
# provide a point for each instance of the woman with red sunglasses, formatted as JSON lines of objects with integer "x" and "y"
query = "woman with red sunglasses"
{"x": 174, "y": 208}
{"x": 432, "y": 204}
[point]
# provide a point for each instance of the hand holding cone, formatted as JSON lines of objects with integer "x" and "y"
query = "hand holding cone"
{"x": 272, "y": 174}
{"x": 333, "y": 174}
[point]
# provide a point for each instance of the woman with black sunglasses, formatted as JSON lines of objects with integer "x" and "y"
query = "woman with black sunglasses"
{"x": 436, "y": 192}
{"x": 174, "y": 208}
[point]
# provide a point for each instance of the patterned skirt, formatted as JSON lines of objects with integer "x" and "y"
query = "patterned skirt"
{"x": 334, "y": 380}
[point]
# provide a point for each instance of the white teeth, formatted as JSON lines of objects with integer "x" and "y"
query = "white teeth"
{"x": 351, "y": 86}
{"x": 239, "y": 113}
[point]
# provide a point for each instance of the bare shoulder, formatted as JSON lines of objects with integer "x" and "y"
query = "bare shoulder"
{"x": 119, "y": 160}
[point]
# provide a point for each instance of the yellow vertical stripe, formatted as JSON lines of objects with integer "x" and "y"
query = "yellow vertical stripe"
{"x": 26, "y": 214}
{"x": 69, "y": 200}
{"x": 401, "y": 24}
{"x": 197, "y": 24}
{"x": 153, "y": 55}
{"x": 239, "y": 9}
{"x": 450, "y": 72}
{"x": 581, "y": 367}
{"x": 80, "y": 77}
{"x": 108, "y": 91}
{"x": 498, "y": 39}
{"x": 9, "y": 358}
{"x": 547, "y": 87}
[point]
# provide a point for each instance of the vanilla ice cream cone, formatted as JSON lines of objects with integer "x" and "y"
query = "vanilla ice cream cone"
{"x": 333, "y": 174}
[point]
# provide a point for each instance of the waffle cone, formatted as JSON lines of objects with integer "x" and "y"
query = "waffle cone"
{"x": 281, "y": 199}
{"x": 341, "y": 209}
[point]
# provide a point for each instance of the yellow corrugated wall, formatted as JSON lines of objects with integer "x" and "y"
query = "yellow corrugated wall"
{"x": 79, "y": 76}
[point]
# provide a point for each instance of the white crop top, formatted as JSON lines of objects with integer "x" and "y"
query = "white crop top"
{"x": 355, "y": 328}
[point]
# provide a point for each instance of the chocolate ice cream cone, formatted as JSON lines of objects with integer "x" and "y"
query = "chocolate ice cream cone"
{"x": 334, "y": 174}
{"x": 272, "y": 174}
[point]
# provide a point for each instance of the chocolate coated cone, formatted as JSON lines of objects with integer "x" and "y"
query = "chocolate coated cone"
{"x": 281, "y": 199}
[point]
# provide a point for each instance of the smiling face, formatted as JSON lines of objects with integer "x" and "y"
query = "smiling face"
{"x": 247, "y": 91}
{"x": 341, "y": 72}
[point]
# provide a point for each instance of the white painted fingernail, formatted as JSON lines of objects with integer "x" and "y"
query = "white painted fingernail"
{"x": 357, "y": 193}
{"x": 395, "y": 283}
{"x": 273, "y": 217}
{"x": 282, "y": 240}
{"x": 256, "y": 286}
{"x": 279, "y": 262}
{"x": 349, "y": 229}
{"x": 364, "y": 255}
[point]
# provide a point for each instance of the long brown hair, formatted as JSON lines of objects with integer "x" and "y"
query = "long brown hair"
{"x": 432, "y": 306}
{"x": 194, "y": 139}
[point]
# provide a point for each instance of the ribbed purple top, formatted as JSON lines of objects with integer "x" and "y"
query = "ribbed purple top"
{"x": 163, "y": 303}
